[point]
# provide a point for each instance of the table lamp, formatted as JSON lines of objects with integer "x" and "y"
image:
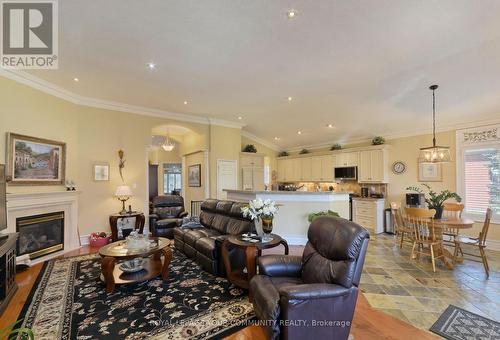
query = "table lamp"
{"x": 123, "y": 193}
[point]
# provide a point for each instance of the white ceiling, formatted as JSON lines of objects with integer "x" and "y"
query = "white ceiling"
{"x": 362, "y": 65}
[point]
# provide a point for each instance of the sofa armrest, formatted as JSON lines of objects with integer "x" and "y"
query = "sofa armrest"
{"x": 280, "y": 265}
{"x": 153, "y": 218}
{"x": 313, "y": 291}
{"x": 183, "y": 214}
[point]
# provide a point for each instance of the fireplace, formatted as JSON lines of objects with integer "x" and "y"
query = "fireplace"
{"x": 40, "y": 235}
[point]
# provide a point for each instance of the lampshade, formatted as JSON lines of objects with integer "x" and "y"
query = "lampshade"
{"x": 123, "y": 191}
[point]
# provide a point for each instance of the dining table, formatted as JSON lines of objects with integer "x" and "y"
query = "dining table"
{"x": 453, "y": 225}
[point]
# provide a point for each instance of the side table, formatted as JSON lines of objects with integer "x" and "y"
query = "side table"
{"x": 252, "y": 251}
{"x": 113, "y": 223}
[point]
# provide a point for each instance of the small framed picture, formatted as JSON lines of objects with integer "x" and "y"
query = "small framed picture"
{"x": 101, "y": 172}
{"x": 194, "y": 175}
{"x": 430, "y": 172}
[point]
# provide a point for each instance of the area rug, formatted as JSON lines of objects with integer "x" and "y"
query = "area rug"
{"x": 457, "y": 324}
{"x": 69, "y": 301}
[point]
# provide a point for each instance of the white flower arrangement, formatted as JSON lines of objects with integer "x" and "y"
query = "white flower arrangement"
{"x": 258, "y": 208}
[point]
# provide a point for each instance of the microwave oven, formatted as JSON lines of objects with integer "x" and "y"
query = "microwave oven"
{"x": 346, "y": 173}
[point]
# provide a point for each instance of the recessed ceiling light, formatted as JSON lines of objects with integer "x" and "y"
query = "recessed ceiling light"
{"x": 291, "y": 13}
{"x": 290, "y": 99}
{"x": 76, "y": 80}
{"x": 330, "y": 125}
{"x": 276, "y": 138}
{"x": 299, "y": 132}
{"x": 151, "y": 66}
{"x": 185, "y": 102}
{"x": 240, "y": 117}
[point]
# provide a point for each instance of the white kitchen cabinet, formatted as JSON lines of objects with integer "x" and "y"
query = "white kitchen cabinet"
{"x": 305, "y": 168}
{"x": 346, "y": 159}
{"x": 327, "y": 168}
{"x": 369, "y": 213}
{"x": 315, "y": 168}
{"x": 252, "y": 171}
{"x": 373, "y": 166}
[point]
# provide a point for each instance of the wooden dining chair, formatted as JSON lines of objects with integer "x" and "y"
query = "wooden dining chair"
{"x": 404, "y": 232}
{"x": 479, "y": 242}
{"x": 451, "y": 210}
{"x": 428, "y": 239}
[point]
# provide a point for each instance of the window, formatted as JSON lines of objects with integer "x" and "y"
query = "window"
{"x": 172, "y": 177}
{"x": 478, "y": 174}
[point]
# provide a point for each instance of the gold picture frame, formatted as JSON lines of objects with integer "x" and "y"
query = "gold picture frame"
{"x": 35, "y": 161}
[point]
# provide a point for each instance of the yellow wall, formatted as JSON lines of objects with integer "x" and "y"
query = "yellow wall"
{"x": 92, "y": 135}
{"x": 194, "y": 193}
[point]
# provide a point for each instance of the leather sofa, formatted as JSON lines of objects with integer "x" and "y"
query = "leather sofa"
{"x": 320, "y": 288}
{"x": 218, "y": 220}
{"x": 168, "y": 212}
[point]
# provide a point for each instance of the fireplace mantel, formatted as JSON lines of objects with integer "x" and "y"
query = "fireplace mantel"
{"x": 35, "y": 203}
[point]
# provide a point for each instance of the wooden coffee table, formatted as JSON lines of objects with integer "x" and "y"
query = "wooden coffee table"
{"x": 115, "y": 253}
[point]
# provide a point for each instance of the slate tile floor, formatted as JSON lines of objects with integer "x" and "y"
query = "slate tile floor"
{"x": 409, "y": 290}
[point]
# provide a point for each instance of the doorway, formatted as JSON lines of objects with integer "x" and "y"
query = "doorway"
{"x": 227, "y": 177}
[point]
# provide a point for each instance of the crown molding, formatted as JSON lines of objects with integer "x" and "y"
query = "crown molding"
{"x": 59, "y": 92}
{"x": 260, "y": 140}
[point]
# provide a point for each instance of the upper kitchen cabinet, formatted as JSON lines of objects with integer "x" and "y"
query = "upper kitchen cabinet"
{"x": 305, "y": 168}
{"x": 322, "y": 168}
{"x": 373, "y": 166}
{"x": 315, "y": 168}
{"x": 252, "y": 171}
{"x": 346, "y": 159}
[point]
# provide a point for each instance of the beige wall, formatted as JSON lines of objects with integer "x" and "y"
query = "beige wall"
{"x": 92, "y": 135}
{"x": 194, "y": 193}
{"x": 225, "y": 145}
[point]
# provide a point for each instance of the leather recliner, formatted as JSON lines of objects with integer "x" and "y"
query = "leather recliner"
{"x": 313, "y": 296}
{"x": 168, "y": 212}
{"x": 218, "y": 220}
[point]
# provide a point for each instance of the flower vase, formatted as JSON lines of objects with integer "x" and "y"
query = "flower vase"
{"x": 439, "y": 212}
{"x": 267, "y": 227}
{"x": 258, "y": 227}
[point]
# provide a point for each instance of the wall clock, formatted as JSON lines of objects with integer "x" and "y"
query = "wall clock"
{"x": 398, "y": 167}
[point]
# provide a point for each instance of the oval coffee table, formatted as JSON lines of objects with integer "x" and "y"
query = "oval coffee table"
{"x": 115, "y": 253}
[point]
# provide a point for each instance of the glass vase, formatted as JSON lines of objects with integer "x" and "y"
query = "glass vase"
{"x": 258, "y": 227}
{"x": 267, "y": 228}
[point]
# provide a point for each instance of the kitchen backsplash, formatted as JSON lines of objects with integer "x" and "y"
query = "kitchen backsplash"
{"x": 349, "y": 186}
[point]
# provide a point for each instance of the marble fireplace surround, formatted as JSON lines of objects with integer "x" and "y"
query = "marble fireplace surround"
{"x": 35, "y": 203}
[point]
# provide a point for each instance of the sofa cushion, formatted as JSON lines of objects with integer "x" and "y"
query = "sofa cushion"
{"x": 209, "y": 205}
{"x": 206, "y": 246}
{"x": 191, "y": 236}
{"x": 168, "y": 223}
{"x": 238, "y": 226}
{"x": 220, "y": 222}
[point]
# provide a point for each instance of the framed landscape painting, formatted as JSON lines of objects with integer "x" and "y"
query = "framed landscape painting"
{"x": 194, "y": 175}
{"x": 35, "y": 161}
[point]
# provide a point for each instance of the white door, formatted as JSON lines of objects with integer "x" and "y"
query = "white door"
{"x": 227, "y": 177}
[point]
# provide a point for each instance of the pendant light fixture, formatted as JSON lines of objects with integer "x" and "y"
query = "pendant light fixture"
{"x": 434, "y": 153}
{"x": 168, "y": 145}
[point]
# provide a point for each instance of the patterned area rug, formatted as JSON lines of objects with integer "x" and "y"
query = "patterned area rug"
{"x": 68, "y": 301}
{"x": 457, "y": 324}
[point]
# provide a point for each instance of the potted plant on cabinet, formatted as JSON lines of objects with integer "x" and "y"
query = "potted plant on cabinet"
{"x": 435, "y": 200}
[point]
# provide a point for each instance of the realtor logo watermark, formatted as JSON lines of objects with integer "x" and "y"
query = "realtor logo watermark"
{"x": 29, "y": 34}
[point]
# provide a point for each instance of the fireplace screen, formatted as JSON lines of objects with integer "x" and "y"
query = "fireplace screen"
{"x": 40, "y": 234}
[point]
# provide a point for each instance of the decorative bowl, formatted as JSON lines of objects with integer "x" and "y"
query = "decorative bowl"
{"x": 132, "y": 266}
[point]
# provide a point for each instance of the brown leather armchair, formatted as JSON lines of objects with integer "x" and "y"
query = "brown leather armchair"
{"x": 168, "y": 212}
{"x": 313, "y": 296}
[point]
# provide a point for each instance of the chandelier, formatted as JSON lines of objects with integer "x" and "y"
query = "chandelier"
{"x": 434, "y": 153}
{"x": 168, "y": 145}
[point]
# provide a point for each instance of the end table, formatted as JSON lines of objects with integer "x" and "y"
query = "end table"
{"x": 113, "y": 222}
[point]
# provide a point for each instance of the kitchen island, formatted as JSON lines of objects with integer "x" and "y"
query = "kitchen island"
{"x": 291, "y": 221}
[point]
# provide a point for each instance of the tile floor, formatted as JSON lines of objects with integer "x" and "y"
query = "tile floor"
{"x": 411, "y": 291}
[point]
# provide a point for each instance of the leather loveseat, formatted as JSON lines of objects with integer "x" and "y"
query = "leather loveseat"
{"x": 218, "y": 220}
{"x": 313, "y": 296}
{"x": 168, "y": 211}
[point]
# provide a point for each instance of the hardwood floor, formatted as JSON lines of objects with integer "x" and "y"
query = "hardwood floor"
{"x": 368, "y": 323}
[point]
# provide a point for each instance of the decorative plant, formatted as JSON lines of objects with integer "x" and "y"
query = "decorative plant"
{"x": 250, "y": 148}
{"x": 303, "y": 151}
{"x": 283, "y": 154}
{"x": 259, "y": 208}
{"x": 435, "y": 200}
{"x": 336, "y": 147}
{"x": 12, "y": 332}
{"x": 98, "y": 235}
{"x": 378, "y": 140}
{"x": 312, "y": 216}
